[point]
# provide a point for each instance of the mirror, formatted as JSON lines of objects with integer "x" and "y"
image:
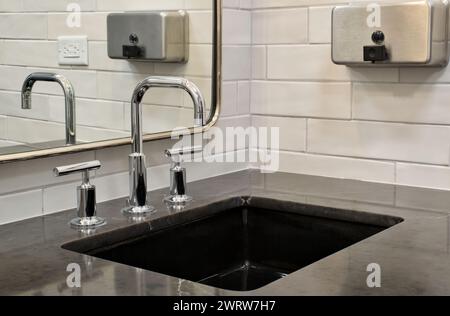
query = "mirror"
{"x": 69, "y": 38}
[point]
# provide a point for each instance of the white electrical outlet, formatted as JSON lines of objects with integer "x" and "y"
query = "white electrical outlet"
{"x": 73, "y": 50}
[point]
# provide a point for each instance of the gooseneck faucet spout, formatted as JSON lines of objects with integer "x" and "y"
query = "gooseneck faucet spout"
{"x": 138, "y": 171}
{"x": 69, "y": 94}
{"x": 162, "y": 82}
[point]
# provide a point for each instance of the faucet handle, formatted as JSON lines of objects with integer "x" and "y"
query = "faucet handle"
{"x": 84, "y": 167}
{"x": 178, "y": 175}
{"x": 176, "y": 153}
{"x": 86, "y": 195}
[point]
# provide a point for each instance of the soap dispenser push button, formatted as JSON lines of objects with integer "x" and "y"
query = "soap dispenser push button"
{"x": 377, "y": 52}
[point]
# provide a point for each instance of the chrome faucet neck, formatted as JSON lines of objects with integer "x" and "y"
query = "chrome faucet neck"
{"x": 162, "y": 82}
{"x": 69, "y": 95}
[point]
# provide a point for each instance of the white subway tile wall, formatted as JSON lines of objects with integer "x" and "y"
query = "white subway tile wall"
{"x": 382, "y": 125}
{"x": 29, "y": 31}
{"x": 385, "y": 125}
{"x": 29, "y": 189}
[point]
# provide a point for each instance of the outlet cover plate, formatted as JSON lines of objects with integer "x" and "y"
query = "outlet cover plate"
{"x": 73, "y": 50}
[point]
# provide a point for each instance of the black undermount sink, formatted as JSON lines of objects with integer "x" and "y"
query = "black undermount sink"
{"x": 241, "y": 244}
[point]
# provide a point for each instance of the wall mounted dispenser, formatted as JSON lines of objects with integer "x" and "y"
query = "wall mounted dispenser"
{"x": 391, "y": 33}
{"x": 160, "y": 36}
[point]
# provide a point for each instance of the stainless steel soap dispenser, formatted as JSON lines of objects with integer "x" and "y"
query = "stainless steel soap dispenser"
{"x": 158, "y": 36}
{"x": 391, "y": 33}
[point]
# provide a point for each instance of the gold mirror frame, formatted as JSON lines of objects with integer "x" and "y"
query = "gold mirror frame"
{"x": 216, "y": 98}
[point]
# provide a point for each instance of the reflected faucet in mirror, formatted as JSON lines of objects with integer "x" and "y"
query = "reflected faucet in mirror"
{"x": 69, "y": 94}
{"x": 102, "y": 117}
{"x": 137, "y": 203}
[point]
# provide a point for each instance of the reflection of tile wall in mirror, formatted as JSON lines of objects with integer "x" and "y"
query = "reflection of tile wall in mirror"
{"x": 104, "y": 87}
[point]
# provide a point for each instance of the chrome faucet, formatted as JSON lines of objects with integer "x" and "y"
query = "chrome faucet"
{"x": 86, "y": 196}
{"x": 178, "y": 184}
{"x": 69, "y": 93}
{"x": 137, "y": 203}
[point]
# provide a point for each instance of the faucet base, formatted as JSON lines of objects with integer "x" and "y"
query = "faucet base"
{"x": 178, "y": 199}
{"x": 139, "y": 210}
{"x": 87, "y": 222}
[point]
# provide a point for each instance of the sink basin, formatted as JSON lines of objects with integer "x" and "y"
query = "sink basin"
{"x": 240, "y": 247}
